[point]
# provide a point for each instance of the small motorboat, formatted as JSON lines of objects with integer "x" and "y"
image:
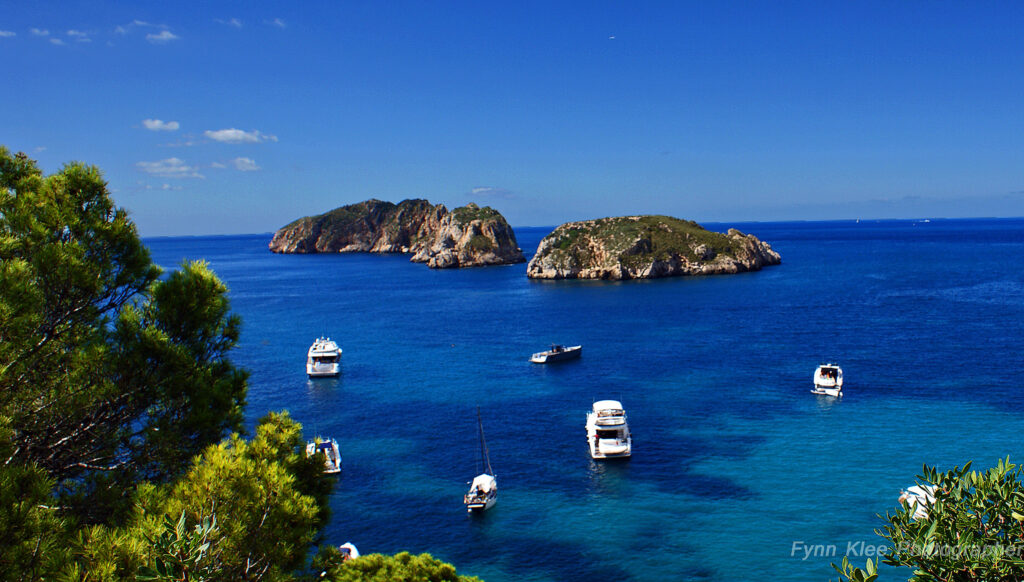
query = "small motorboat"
{"x": 607, "y": 431}
{"x": 323, "y": 359}
{"x": 332, "y": 454}
{"x": 919, "y": 498}
{"x": 557, "y": 353}
{"x": 483, "y": 490}
{"x": 828, "y": 380}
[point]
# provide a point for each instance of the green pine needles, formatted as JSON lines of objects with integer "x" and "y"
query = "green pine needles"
{"x": 121, "y": 456}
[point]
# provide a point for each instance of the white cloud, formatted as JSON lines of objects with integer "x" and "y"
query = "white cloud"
{"x": 245, "y": 164}
{"x": 218, "y": 165}
{"x": 39, "y": 149}
{"x": 277, "y": 22}
{"x": 39, "y": 31}
{"x": 164, "y": 37}
{"x": 57, "y": 41}
{"x": 73, "y": 32}
{"x": 491, "y": 192}
{"x": 233, "y": 135}
{"x": 230, "y": 22}
{"x": 6, "y": 33}
{"x": 158, "y": 125}
{"x": 140, "y": 185}
{"x": 170, "y": 168}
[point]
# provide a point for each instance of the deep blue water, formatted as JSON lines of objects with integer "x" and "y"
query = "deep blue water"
{"x": 734, "y": 460}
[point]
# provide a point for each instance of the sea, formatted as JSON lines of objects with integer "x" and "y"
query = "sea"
{"x": 737, "y": 472}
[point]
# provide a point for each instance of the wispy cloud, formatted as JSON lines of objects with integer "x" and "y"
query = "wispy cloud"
{"x": 6, "y": 33}
{"x": 170, "y": 168}
{"x": 277, "y": 22}
{"x": 39, "y": 31}
{"x": 79, "y": 35}
{"x": 245, "y": 164}
{"x": 39, "y": 149}
{"x": 163, "y": 37}
{"x": 126, "y": 28}
{"x": 140, "y": 186}
{"x": 158, "y": 125}
{"x": 233, "y": 135}
{"x": 57, "y": 41}
{"x": 491, "y": 192}
{"x": 233, "y": 22}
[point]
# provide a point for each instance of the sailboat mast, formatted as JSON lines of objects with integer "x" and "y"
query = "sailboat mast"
{"x": 483, "y": 443}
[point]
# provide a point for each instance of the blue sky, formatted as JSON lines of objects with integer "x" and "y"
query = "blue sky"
{"x": 233, "y": 117}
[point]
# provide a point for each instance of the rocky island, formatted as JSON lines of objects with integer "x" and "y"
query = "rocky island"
{"x": 645, "y": 247}
{"x": 468, "y": 236}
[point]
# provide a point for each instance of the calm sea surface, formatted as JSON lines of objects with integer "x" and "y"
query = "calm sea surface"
{"x": 735, "y": 464}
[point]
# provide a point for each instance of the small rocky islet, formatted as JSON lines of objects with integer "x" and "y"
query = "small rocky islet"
{"x": 645, "y": 247}
{"x": 616, "y": 248}
{"x": 467, "y": 236}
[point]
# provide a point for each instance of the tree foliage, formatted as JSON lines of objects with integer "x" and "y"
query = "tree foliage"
{"x": 402, "y": 567}
{"x": 244, "y": 514}
{"x": 974, "y": 530}
{"x": 108, "y": 374}
{"x": 116, "y": 391}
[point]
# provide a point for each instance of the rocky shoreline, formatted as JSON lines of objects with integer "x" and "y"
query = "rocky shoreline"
{"x": 467, "y": 236}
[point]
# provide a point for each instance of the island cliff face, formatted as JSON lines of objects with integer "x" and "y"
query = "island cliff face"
{"x": 465, "y": 237}
{"x": 645, "y": 247}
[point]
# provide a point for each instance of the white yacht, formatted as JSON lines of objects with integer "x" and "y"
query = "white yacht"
{"x": 828, "y": 380}
{"x": 323, "y": 358}
{"x": 331, "y": 452}
{"x": 483, "y": 490}
{"x": 607, "y": 432}
{"x": 919, "y": 498}
{"x": 557, "y": 353}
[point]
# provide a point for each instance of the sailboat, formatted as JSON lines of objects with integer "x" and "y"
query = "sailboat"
{"x": 483, "y": 490}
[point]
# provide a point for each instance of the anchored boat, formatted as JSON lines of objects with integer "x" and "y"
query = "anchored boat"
{"x": 483, "y": 490}
{"x": 323, "y": 358}
{"x": 607, "y": 431}
{"x": 331, "y": 452}
{"x": 828, "y": 380}
{"x": 919, "y": 498}
{"x": 557, "y": 353}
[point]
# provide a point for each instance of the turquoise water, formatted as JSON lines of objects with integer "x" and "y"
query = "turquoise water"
{"x": 735, "y": 463}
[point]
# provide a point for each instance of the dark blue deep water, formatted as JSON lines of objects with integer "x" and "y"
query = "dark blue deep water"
{"x": 735, "y": 463}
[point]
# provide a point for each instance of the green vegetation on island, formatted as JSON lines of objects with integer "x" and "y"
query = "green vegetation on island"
{"x": 632, "y": 247}
{"x": 121, "y": 456}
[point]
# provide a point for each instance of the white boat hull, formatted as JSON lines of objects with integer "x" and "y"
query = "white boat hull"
{"x": 323, "y": 371}
{"x": 617, "y": 452}
{"x": 331, "y": 452}
{"x": 489, "y": 503}
{"x": 608, "y": 434}
{"x": 483, "y": 493}
{"x": 323, "y": 360}
{"x": 550, "y": 357}
{"x": 828, "y": 380}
